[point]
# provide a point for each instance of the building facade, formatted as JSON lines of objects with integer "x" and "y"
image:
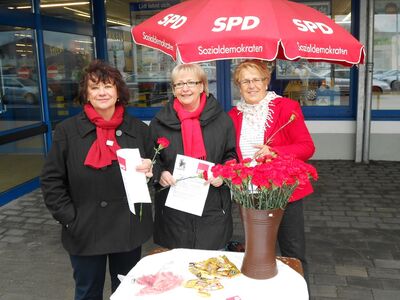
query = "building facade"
{"x": 352, "y": 113}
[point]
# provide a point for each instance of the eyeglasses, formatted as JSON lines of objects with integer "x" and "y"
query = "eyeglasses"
{"x": 255, "y": 81}
{"x": 189, "y": 84}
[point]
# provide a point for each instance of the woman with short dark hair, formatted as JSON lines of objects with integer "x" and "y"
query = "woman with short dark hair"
{"x": 83, "y": 188}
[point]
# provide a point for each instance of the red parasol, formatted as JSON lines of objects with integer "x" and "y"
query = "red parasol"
{"x": 204, "y": 30}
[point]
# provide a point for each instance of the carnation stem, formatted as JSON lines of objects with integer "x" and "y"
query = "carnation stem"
{"x": 180, "y": 179}
{"x": 153, "y": 160}
{"x": 291, "y": 119}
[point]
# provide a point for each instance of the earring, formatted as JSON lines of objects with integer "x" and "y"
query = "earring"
{"x": 117, "y": 99}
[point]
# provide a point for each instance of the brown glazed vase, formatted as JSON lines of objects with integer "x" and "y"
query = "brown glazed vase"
{"x": 261, "y": 231}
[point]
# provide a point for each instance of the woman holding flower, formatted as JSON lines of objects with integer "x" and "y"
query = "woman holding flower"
{"x": 196, "y": 126}
{"x": 268, "y": 124}
{"x": 83, "y": 188}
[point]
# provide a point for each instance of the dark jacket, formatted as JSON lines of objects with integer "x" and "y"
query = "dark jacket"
{"x": 91, "y": 204}
{"x": 175, "y": 228}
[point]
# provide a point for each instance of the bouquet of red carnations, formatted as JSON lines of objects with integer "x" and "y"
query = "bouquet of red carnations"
{"x": 267, "y": 182}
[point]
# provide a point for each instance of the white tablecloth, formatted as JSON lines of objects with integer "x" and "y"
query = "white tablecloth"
{"x": 288, "y": 284}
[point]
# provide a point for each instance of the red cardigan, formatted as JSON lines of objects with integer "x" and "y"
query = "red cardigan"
{"x": 293, "y": 139}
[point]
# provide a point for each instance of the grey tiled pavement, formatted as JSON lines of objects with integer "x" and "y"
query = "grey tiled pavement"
{"x": 352, "y": 230}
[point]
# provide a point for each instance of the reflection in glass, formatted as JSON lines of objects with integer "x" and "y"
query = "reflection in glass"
{"x": 19, "y": 84}
{"x": 66, "y": 57}
{"x": 211, "y": 70}
{"x": 386, "y": 55}
{"x": 16, "y": 5}
{"x": 23, "y": 159}
{"x": 314, "y": 84}
{"x": 146, "y": 71}
{"x": 74, "y": 10}
{"x": 311, "y": 84}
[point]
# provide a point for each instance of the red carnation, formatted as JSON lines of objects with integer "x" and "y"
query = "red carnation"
{"x": 267, "y": 185}
{"x": 163, "y": 142}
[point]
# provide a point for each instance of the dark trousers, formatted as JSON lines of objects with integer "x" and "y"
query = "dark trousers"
{"x": 90, "y": 272}
{"x": 291, "y": 237}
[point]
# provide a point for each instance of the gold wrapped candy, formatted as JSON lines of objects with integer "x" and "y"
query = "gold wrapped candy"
{"x": 213, "y": 267}
{"x": 209, "y": 272}
{"x": 204, "y": 286}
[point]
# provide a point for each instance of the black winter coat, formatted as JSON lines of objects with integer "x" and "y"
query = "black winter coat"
{"x": 91, "y": 204}
{"x": 173, "y": 228}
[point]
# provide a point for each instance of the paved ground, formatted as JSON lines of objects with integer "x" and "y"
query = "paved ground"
{"x": 352, "y": 226}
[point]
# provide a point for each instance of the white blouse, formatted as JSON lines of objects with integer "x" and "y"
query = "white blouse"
{"x": 256, "y": 119}
{"x": 250, "y": 137}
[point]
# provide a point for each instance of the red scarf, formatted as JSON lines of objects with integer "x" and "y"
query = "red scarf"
{"x": 193, "y": 144}
{"x": 103, "y": 150}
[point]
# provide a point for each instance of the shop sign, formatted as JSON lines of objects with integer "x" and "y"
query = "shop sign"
{"x": 153, "y": 5}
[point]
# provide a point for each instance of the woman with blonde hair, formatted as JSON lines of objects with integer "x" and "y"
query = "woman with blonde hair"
{"x": 196, "y": 126}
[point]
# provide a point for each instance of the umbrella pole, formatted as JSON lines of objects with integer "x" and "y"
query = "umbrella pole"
{"x": 178, "y": 58}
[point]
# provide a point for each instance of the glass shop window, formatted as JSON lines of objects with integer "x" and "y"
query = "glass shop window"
{"x": 386, "y": 75}
{"x": 17, "y": 5}
{"x": 146, "y": 71}
{"x": 20, "y": 96}
{"x": 72, "y": 10}
{"x": 66, "y": 57}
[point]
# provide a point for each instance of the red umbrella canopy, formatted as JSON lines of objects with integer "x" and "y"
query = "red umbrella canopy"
{"x": 204, "y": 30}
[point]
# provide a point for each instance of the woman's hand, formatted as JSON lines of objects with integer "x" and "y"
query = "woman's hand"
{"x": 167, "y": 179}
{"x": 216, "y": 182}
{"x": 262, "y": 150}
{"x": 146, "y": 167}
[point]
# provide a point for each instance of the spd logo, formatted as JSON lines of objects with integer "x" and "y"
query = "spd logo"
{"x": 173, "y": 21}
{"x": 227, "y": 24}
{"x": 305, "y": 26}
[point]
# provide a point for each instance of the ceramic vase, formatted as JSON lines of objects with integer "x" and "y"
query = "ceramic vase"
{"x": 261, "y": 231}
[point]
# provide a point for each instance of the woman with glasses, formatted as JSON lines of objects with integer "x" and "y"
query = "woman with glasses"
{"x": 196, "y": 126}
{"x": 268, "y": 124}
